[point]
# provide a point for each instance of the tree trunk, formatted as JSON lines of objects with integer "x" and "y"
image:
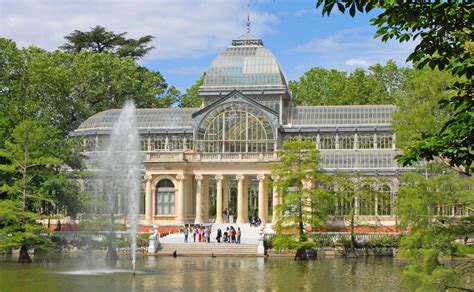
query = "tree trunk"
{"x": 24, "y": 256}
{"x": 352, "y": 253}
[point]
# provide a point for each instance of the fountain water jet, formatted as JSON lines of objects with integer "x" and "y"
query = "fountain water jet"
{"x": 120, "y": 167}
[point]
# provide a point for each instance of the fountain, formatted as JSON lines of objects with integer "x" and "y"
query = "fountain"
{"x": 120, "y": 170}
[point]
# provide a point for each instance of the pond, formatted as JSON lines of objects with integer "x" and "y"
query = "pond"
{"x": 89, "y": 273}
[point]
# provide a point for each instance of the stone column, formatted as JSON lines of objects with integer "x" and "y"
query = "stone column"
{"x": 262, "y": 198}
{"x": 276, "y": 202}
{"x": 246, "y": 199}
{"x": 180, "y": 211}
{"x": 240, "y": 199}
{"x": 199, "y": 219}
{"x": 219, "y": 210}
{"x": 148, "y": 200}
{"x": 225, "y": 193}
{"x": 205, "y": 198}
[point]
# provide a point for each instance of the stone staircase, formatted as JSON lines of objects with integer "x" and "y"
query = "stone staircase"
{"x": 207, "y": 249}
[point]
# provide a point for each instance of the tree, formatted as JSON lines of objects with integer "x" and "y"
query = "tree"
{"x": 18, "y": 228}
{"x": 191, "y": 98}
{"x": 34, "y": 181}
{"x": 354, "y": 195}
{"x": 418, "y": 106}
{"x": 70, "y": 88}
{"x": 435, "y": 208}
{"x": 99, "y": 40}
{"x": 297, "y": 174}
{"x": 380, "y": 85}
{"x": 444, "y": 30}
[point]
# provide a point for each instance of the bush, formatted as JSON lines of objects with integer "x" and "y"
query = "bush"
{"x": 388, "y": 241}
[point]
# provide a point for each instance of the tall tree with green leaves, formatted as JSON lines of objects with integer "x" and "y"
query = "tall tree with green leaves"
{"x": 62, "y": 90}
{"x": 445, "y": 34}
{"x": 99, "y": 40}
{"x": 32, "y": 161}
{"x": 437, "y": 210}
{"x": 380, "y": 84}
{"x": 419, "y": 112}
{"x": 191, "y": 98}
{"x": 297, "y": 174}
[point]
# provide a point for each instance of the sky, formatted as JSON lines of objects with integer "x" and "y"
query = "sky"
{"x": 189, "y": 34}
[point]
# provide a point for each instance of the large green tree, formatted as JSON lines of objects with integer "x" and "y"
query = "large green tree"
{"x": 99, "y": 40}
{"x": 302, "y": 207}
{"x": 33, "y": 167}
{"x": 444, "y": 31}
{"x": 62, "y": 90}
{"x": 435, "y": 210}
{"x": 379, "y": 85}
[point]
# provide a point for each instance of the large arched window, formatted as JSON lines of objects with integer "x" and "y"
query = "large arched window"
{"x": 165, "y": 193}
{"x": 235, "y": 127}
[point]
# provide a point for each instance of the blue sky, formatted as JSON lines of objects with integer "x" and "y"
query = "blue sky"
{"x": 189, "y": 34}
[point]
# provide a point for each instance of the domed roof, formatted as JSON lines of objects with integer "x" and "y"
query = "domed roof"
{"x": 244, "y": 64}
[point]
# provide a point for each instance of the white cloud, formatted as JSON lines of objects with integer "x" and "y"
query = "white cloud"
{"x": 357, "y": 62}
{"x": 182, "y": 28}
{"x": 349, "y": 48}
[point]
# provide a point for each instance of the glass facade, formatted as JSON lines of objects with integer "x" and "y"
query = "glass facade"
{"x": 235, "y": 127}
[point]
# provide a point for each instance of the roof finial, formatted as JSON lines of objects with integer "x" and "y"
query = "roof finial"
{"x": 248, "y": 18}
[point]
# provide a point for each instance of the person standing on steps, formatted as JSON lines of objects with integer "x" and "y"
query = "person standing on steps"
{"x": 194, "y": 233}
{"x": 186, "y": 233}
{"x": 239, "y": 234}
{"x": 219, "y": 235}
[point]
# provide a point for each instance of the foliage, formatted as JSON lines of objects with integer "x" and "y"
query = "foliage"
{"x": 380, "y": 85}
{"x": 99, "y": 40}
{"x": 419, "y": 112}
{"x": 191, "y": 98}
{"x": 388, "y": 241}
{"x": 19, "y": 227}
{"x": 70, "y": 88}
{"x": 291, "y": 242}
{"x": 32, "y": 158}
{"x": 352, "y": 192}
{"x": 302, "y": 203}
{"x": 444, "y": 31}
{"x": 425, "y": 205}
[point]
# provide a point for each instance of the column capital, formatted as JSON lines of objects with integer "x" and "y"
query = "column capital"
{"x": 275, "y": 177}
{"x": 261, "y": 177}
{"x": 239, "y": 177}
{"x": 219, "y": 177}
{"x": 180, "y": 177}
{"x": 198, "y": 177}
{"x": 147, "y": 177}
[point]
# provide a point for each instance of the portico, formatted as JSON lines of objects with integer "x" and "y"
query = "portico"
{"x": 245, "y": 193}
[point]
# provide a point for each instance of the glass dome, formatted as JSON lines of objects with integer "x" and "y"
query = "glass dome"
{"x": 246, "y": 63}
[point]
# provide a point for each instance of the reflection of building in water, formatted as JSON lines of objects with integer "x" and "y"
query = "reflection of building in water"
{"x": 200, "y": 161}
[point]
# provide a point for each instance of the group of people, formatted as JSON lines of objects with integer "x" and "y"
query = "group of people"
{"x": 256, "y": 221}
{"x": 230, "y": 235}
{"x": 228, "y": 215}
{"x": 203, "y": 234}
{"x": 199, "y": 233}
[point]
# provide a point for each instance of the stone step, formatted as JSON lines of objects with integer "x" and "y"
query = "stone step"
{"x": 208, "y": 249}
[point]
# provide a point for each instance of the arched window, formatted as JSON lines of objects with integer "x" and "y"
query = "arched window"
{"x": 367, "y": 200}
{"x": 327, "y": 142}
{"x": 346, "y": 142}
{"x": 384, "y": 141}
{"x": 235, "y": 127}
{"x": 384, "y": 200}
{"x": 165, "y": 194}
{"x": 366, "y": 141}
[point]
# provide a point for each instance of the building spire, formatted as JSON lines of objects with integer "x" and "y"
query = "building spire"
{"x": 248, "y": 18}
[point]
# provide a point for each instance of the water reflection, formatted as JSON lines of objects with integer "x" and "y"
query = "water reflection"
{"x": 204, "y": 274}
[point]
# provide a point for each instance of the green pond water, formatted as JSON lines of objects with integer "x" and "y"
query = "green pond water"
{"x": 89, "y": 273}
